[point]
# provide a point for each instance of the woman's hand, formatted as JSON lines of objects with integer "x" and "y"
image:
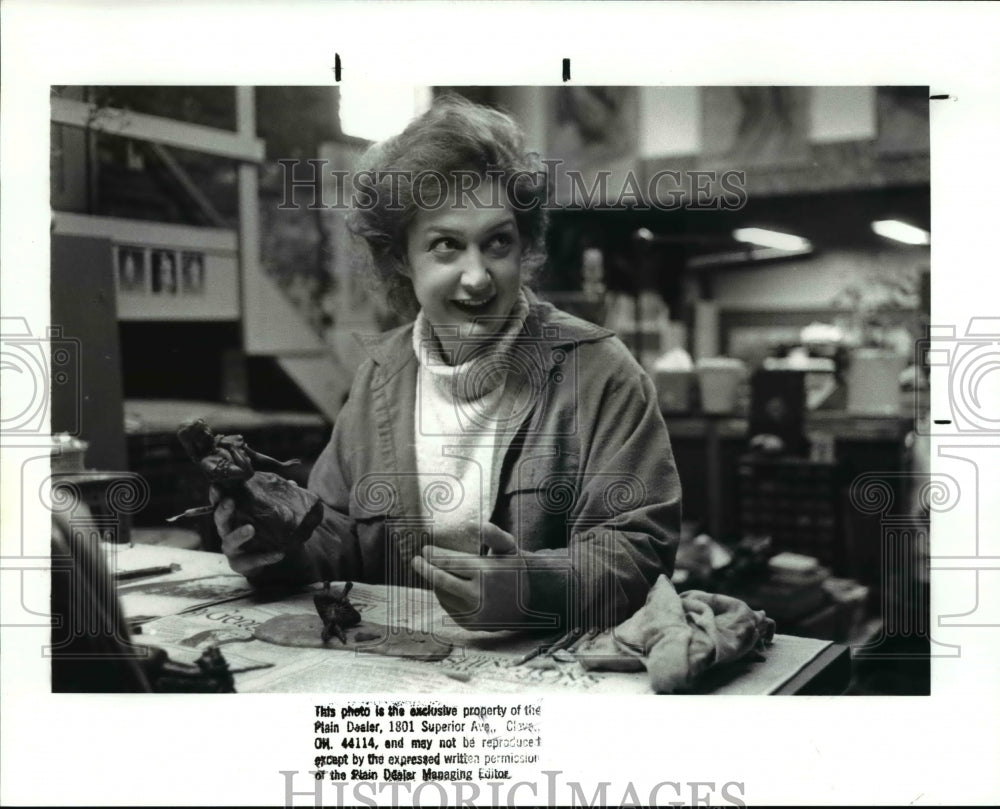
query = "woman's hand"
{"x": 243, "y": 557}
{"x": 480, "y": 592}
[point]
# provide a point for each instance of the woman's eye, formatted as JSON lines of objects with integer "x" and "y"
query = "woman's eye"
{"x": 444, "y": 245}
{"x": 500, "y": 243}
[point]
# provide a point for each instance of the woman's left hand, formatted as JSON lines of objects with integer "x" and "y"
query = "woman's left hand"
{"x": 480, "y": 592}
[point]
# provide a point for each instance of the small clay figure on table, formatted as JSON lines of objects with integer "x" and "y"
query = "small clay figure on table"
{"x": 337, "y": 617}
{"x": 281, "y": 512}
{"x": 336, "y": 612}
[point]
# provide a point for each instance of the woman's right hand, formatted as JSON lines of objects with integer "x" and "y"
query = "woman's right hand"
{"x": 235, "y": 539}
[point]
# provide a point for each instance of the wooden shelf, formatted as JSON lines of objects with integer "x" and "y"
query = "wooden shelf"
{"x": 844, "y": 426}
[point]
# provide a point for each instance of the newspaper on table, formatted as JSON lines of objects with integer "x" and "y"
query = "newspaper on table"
{"x": 479, "y": 661}
{"x": 201, "y": 579}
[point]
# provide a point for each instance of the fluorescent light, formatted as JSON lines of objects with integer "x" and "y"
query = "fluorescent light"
{"x": 374, "y": 112}
{"x": 742, "y": 257}
{"x": 771, "y": 238}
{"x": 901, "y": 232}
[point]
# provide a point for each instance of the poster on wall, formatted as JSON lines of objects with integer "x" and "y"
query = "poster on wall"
{"x": 192, "y": 273}
{"x": 132, "y": 270}
{"x": 164, "y": 280}
{"x": 591, "y": 130}
{"x": 755, "y": 126}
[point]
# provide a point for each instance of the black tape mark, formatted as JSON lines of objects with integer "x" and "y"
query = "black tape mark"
{"x": 943, "y": 97}
{"x": 565, "y": 69}
{"x": 942, "y": 421}
{"x": 336, "y": 67}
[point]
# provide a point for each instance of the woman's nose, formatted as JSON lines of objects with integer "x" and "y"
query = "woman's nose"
{"x": 475, "y": 274}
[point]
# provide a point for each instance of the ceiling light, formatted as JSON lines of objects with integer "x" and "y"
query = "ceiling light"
{"x": 901, "y": 232}
{"x": 771, "y": 238}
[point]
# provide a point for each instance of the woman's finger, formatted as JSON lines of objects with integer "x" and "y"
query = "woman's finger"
{"x": 421, "y": 567}
{"x": 224, "y": 516}
{"x": 232, "y": 541}
{"x": 241, "y": 561}
{"x": 468, "y": 566}
{"x": 497, "y": 540}
{"x": 250, "y": 562}
{"x": 458, "y": 562}
{"x": 443, "y": 581}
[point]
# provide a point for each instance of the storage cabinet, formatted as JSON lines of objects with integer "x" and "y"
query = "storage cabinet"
{"x": 794, "y": 501}
{"x": 811, "y": 512}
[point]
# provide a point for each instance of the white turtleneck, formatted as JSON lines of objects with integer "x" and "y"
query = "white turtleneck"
{"x": 457, "y": 419}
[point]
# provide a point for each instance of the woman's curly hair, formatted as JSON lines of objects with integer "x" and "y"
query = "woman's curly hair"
{"x": 454, "y": 135}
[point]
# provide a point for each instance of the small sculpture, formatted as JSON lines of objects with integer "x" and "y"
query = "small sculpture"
{"x": 336, "y": 612}
{"x": 281, "y": 512}
{"x": 210, "y": 673}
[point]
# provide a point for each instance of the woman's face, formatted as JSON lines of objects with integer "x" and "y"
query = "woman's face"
{"x": 465, "y": 261}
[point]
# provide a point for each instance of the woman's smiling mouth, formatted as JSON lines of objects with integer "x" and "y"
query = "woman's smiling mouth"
{"x": 473, "y": 306}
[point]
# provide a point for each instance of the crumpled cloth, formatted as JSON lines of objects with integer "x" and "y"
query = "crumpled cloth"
{"x": 677, "y": 638}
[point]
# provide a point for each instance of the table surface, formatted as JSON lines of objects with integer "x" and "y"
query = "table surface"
{"x": 205, "y": 603}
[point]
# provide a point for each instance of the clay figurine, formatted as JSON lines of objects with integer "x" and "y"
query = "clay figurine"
{"x": 336, "y": 612}
{"x": 209, "y": 674}
{"x": 282, "y": 513}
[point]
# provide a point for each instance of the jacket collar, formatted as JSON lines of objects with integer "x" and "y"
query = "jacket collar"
{"x": 392, "y": 350}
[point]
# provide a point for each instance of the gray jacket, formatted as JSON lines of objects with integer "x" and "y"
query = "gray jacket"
{"x": 584, "y": 479}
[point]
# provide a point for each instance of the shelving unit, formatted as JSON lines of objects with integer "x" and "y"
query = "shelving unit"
{"x": 709, "y": 449}
{"x": 795, "y": 502}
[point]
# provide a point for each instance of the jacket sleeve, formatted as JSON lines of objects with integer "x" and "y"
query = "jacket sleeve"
{"x": 331, "y": 552}
{"x": 624, "y": 526}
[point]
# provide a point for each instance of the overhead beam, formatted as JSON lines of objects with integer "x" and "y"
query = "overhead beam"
{"x": 242, "y": 146}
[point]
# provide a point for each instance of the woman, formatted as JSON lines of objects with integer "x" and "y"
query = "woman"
{"x": 502, "y": 452}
